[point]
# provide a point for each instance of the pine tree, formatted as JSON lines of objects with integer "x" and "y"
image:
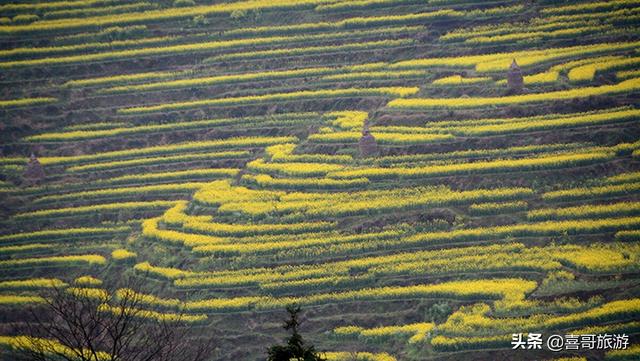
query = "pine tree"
{"x": 295, "y": 348}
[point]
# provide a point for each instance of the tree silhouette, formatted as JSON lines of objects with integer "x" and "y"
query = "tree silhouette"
{"x": 295, "y": 348}
{"x": 97, "y": 325}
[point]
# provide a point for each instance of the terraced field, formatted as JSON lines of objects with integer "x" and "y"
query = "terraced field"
{"x": 376, "y": 162}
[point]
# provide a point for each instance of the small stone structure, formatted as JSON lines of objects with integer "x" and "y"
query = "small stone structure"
{"x": 368, "y": 145}
{"x": 34, "y": 172}
{"x": 515, "y": 81}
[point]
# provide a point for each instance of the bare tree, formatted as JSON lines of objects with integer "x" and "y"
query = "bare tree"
{"x": 99, "y": 325}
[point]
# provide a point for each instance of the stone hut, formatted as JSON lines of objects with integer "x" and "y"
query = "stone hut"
{"x": 368, "y": 145}
{"x": 34, "y": 172}
{"x": 515, "y": 81}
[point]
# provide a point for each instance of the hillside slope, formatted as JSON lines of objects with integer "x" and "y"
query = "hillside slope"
{"x": 425, "y": 178}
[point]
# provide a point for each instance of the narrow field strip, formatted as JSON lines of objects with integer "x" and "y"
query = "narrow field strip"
{"x": 426, "y": 103}
{"x": 168, "y": 149}
{"x": 26, "y": 102}
{"x": 291, "y": 96}
{"x": 95, "y": 209}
